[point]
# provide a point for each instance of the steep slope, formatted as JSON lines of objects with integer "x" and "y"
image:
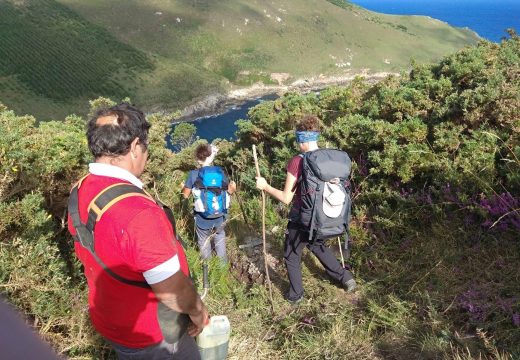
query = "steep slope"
{"x": 196, "y": 47}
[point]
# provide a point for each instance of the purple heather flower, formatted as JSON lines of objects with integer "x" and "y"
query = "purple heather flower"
{"x": 500, "y": 263}
{"x": 500, "y": 211}
{"x": 506, "y": 304}
{"x": 516, "y": 319}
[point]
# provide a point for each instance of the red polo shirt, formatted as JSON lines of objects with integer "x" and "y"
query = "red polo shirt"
{"x": 133, "y": 237}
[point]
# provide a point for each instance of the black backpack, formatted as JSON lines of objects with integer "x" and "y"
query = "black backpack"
{"x": 325, "y": 196}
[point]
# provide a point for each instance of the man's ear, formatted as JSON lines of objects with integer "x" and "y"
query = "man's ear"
{"x": 133, "y": 148}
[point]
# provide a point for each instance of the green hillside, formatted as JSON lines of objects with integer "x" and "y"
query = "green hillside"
{"x": 435, "y": 185}
{"x": 54, "y": 55}
{"x": 51, "y": 57}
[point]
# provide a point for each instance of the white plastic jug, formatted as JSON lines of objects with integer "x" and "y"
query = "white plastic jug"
{"x": 213, "y": 340}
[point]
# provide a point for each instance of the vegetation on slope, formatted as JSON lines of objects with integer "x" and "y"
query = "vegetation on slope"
{"x": 47, "y": 50}
{"x": 164, "y": 54}
{"x": 436, "y": 219}
{"x": 436, "y": 194}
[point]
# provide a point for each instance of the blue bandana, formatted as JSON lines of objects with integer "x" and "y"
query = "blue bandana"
{"x": 307, "y": 136}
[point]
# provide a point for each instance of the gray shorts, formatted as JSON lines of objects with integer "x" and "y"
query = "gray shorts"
{"x": 209, "y": 238}
{"x": 184, "y": 349}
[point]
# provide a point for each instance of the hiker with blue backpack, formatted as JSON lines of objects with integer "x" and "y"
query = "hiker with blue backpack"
{"x": 316, "y": 184}
{"x": 210, "y": 189}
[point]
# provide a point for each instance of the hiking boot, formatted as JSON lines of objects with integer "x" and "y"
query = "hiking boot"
{"x": 295, "y": 301}
{"x": 350, "y": 285}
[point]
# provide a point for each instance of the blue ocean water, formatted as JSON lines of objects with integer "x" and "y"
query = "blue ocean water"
{"x": 489, "y": 18}
{"x": 222, "y": 126}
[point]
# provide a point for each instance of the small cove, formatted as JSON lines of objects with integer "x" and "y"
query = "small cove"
{"x": 222, "y": 126}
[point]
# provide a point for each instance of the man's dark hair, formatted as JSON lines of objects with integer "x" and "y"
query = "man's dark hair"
{"x": 202, "y": 152}
{"x": 308, "y": 123}
{"x": 111, "y": 131}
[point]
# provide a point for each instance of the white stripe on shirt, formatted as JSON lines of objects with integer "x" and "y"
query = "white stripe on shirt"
{"x": 163, "y": 271}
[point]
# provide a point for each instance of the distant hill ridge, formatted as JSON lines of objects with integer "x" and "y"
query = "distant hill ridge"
{"x": 57, "y": 54}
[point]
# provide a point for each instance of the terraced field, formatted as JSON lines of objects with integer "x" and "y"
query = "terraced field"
{"x": 47, "y": 51}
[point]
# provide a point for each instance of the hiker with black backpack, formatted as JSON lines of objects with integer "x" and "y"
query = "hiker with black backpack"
{"x": 316, "y": 183}
{"x": 210, "y": 189}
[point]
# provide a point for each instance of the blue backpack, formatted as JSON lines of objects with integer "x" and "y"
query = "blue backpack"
{"x": 210, "y": 192}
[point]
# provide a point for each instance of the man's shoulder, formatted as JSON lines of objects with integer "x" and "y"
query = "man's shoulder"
{"x": 98, "y": 183}
{"x": 295, "y": 160}
{"x": 294, "y": 166}
{"x": 132, "y": 203}
{"x": 191, "y": 178}
{"x": 92, "y": 185}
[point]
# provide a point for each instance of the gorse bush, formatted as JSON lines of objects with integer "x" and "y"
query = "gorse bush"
{"x": 453, "y": 123}
{"x": 435, "y": 183}
{"x": 436, "y": 146}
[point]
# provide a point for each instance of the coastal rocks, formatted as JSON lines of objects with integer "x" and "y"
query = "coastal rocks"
{"x": 219, "y": 103}
{"x": 209, "y": 105}
{"x": 300, "y": 83}
{"x": 280, "y": 78}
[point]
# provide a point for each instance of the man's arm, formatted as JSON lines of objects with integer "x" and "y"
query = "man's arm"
{"x": 188, "y": 184}
{"x": 284, "y": 196}
{"x": 178, "y": 293}
{"x": 232, "y": 187}
{"x": 186, "y": 192}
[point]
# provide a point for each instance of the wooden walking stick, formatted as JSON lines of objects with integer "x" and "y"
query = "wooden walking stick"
{"x": 263, "y": 233}
{"x": 341, "y": 252}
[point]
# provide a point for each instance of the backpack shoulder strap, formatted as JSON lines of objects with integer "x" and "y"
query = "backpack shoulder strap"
{"x": 97, "y": 207}
{"x": 300, "y": 178}
{"x": 109, "y": 197}
{"x": 197, "y": 183}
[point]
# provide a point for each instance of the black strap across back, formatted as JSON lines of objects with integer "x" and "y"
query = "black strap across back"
{"x": 101, "y": 203}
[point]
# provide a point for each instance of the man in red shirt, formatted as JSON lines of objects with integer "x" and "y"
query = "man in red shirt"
{"x": 296, "y": 237}
{"x": 136, "y": 241}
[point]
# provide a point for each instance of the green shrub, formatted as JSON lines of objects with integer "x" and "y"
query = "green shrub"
{"x": 435, "y": 186}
